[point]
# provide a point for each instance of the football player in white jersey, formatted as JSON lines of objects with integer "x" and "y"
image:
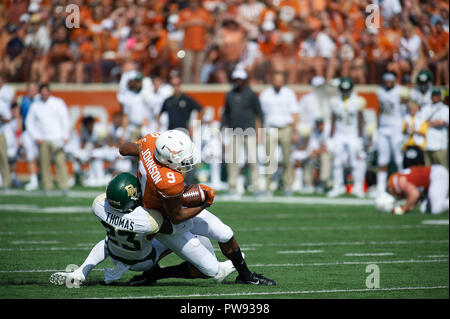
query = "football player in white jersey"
{"x": 389, "y": 137}
{"x": 421, "y": 93}
{"x": 130, "y": 241}
{"x": 346, "y": 138}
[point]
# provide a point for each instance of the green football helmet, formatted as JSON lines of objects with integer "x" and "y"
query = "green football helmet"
{"x": 424, "y": 80}
{"x": 124, "y": 192}
{"x": 346, "y": 86}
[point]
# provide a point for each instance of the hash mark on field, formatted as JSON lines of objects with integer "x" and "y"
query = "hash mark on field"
{"x": 299, "y": 251}
{"x": 367, "y": 254}
{"x": 282, "y": 292}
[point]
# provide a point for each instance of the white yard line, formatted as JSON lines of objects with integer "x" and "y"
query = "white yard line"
{"x": 410, "y": 261}
{"x": 435, "y": 222}
{"x": 299, "y": 251}
{"x": 268, "y": 293}
{"x": 367, "y": 254}
{"x": 218, "y": 198}
{"x": 34, "y": 242}
{"x": 20, "y": 208}
{"x": 351, "y": 243}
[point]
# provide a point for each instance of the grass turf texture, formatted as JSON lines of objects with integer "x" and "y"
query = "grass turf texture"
{"x": 312, "y": 251}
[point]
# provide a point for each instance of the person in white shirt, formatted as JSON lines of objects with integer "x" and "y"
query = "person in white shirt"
{"x": 6, "y": 97}
{"x": 347, "y": 138}
{"x": 280, "y": 109}
{"x": 155, "y": 98}
{"x": 389, "y": 137}
{"x": 436, "y": 115}
{"x": 134, "y": 104}
{"x": 49, "y": 125}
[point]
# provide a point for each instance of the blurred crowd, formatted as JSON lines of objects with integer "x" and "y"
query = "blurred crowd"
{"x": 205, "y": 40}
{"x": 328, "y": 140}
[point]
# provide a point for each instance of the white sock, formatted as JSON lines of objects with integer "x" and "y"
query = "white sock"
{"x": 359, "y": 172}
{"x": 381, "y": 181}
{"x": 298, "y": 175}
{"x": 95, "y": 257}
{"x": 33, "y": 178}
{"x": 338, "y": 177}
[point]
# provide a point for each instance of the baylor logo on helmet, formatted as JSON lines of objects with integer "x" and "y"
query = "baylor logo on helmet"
{"x": 131, "y": 190}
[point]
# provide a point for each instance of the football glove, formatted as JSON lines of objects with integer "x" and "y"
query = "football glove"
{"x": 209, "y": 192}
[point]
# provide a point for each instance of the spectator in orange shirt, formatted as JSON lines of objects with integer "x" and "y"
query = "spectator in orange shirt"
{"x": 85, "y": 58}
{"x": 195, "y": 21}
{"x": 438, "y": 50}
{"x": 158, "y": 49}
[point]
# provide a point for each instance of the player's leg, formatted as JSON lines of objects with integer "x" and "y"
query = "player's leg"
{"x": 188, "y": 247}
{"x": 185, "y": 270}
{"x": 95, "y": 257}
{"x": 358, "y": 165}
{"x": 31, "y": 153}
{"x": 438, "y": 190}
{"x": 384, "y": 155}
{"x": 396, "y": 147}
{"x": 209, "y": 225}
{"x": 337, "y": 169}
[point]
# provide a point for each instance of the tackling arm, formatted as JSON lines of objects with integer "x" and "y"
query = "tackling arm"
{"x": 129, "y": 149}
{"x": 176, "y": 213}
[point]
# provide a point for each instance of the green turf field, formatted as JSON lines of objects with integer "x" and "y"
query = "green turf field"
{"x": 311, "y": 246}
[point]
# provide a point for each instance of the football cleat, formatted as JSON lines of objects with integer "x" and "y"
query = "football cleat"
{"x": 225, "y": 269}
{"x": 66, "y": 278}
{"x": 257, "y": 280}
{"x": 147, "y": 278}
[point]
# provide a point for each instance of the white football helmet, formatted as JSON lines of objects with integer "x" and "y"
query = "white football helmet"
{"x": 385, "y": 202}
{"x": 175, "y": 150}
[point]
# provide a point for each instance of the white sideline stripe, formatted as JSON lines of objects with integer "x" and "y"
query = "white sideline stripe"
{"x": 35, "y": 242}
{"x": 299, "y": 251}
{"x": 297, "y": 200}
{"x": 367, "y": 254}
{"x": 353, "y": 243}
{"x": 300, "y": 228}
{"x": 218, "y": 198}
{"x": 19, "y": 208}
{"x": 435, "y": 222}
{"x": 307, "y": 228}
{"x": 410, "y": 261}
{"x": 281, "y": 292}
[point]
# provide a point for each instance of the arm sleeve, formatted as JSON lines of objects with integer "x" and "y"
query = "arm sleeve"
{"x": 171, "y": 190}
{"x": 258, "y": 108}
{"x": 226, "y": 113}
{"x": 65, "y": 120}
{"x": 163, "y": 107}
{"x": 31, "y": 124}
{"x": 194, "y": 104}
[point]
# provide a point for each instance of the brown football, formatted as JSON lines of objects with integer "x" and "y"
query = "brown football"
{"x": 193, "y": 195}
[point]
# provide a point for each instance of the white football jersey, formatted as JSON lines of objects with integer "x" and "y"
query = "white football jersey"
{"x": 128, "y": 235}
{"x": 419, "y": 97}
{"x": 346, "y": 113}
{"x": 391, "y": 110}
